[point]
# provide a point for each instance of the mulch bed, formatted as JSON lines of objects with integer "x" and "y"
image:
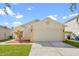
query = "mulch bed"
{"x": 22, "y": 41}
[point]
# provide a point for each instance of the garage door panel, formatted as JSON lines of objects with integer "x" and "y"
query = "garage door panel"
{"x": 48, "y": 36}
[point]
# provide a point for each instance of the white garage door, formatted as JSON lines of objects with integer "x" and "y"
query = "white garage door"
{"x": 46, "y": 35}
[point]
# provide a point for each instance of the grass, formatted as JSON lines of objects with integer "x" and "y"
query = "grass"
{"x": 3, "y": 40}
{"x": 67, "y": 32}
{"x": 15, "y": 50}
{"x": 73, "y": 43}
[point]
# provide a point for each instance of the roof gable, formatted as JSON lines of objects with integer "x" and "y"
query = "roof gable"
{"x": 52, "y": 20}
{"x": 23, "y": 25}
{"x": 36, "y": 21}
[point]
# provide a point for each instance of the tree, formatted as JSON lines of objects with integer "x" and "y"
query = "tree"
{"x": 6, "y": 5}
{"x": 73, "y": 7}
{"x": 19, "y": 34}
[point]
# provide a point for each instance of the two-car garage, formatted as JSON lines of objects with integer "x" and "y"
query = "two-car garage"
{"x": 43, "y": 30}
{"x": 47, "y": 30}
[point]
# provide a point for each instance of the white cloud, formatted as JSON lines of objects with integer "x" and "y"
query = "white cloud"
{"x": 29, "y": 8}
{"x": 2, "y": 12}
{"x": 17, "y": 23}
{"x": 64, "y": 17}
{"x": 9, "y": 11}
{"x": 52, "y": 17}
{"x": 6, "y": 24}
{"x": 18, "y": 16}
{"x": 55, "y": 15}
{"x": 70, "y": 16}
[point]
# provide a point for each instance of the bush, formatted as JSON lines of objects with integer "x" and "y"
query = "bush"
{"x": 67, "y": 32}
{"x": 3, "y": 40}
{"x": 72, "y": 42}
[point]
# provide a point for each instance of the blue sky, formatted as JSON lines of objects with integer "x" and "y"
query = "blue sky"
{"x": 25, "y": 12}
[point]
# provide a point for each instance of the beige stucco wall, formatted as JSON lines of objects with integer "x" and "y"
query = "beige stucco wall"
{"x": 47, "y": 32}
{"x": 27, "y": 32}
{"x": 5, "y": 33}
{"x": 72, "y": 26}
{"x": 42, "y": 31}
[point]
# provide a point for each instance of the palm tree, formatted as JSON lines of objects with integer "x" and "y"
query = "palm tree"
{"x": 6, "y": 5}
{"x": 19, "y": 34}
{"x": 73, "y": 7}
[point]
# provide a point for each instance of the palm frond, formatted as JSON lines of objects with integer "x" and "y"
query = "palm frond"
{"x": 4, "y": 9}
{"x": 73, "y": 7}
{"x": 7, "y": 4}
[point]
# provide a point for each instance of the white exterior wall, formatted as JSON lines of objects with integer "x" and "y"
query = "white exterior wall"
{"x": 72, "y": 26}
{"x": 47, "y": 32}
{"x": 5, "y": 33}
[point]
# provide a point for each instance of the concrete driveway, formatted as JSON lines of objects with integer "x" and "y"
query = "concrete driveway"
{"x": 53, "y": 49}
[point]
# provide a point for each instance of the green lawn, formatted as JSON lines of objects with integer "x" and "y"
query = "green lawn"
{"x": 15, "y": 50}
{"x": 73, "y": 43}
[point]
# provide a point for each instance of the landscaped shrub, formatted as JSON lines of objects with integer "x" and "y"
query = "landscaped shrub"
{"x": 19, "y": 34}
{"x": 72, "y": 42}
{"x": 3, "y": 40}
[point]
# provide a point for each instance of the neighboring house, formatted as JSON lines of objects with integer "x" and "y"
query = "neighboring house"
{"x": 72, "y": 25}
{"x": 42, "y": 30}
{"x": 5, "y": 32}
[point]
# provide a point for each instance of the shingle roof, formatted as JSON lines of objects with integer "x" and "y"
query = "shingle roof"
{"x": 4, "y": 27}
{"x": 36, "y": 20}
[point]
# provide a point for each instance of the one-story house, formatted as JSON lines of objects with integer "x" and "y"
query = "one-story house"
{"x": 42, "y": 30}
{"x": 5, "y": 32}
{"x": 72, "y": 25}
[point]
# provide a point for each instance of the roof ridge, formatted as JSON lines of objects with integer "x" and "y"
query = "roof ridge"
{"x": 29, "y": 22}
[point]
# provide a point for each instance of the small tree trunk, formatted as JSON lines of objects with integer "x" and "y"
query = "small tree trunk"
{"x": 20, "y": 40}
